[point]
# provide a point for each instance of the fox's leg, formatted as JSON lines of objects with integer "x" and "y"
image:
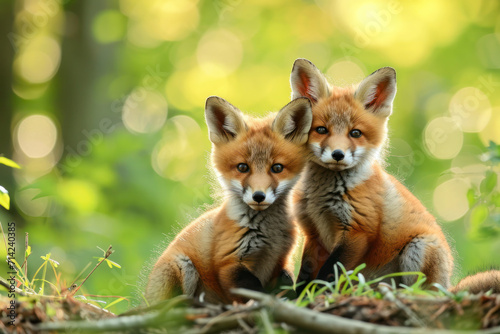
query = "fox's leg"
{"x": 164, "y": 282}
{"x": 426, "y": 253}
{"x": 327, "y": 268}
{"x": 190, "y": 276}
{"x": 171, "y": 277}
{"x": 313, "y": 258}
{"x": 244, "y": 278}
{"x": 285, "y": 278}
{"x": 237, "y": 275}
{"x": 282, "y": 276}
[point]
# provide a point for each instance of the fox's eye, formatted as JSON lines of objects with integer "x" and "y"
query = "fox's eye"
{"x": 321, "y": 130}
{"x": 277, "y": 168}
{"x": 355, "y": 133}
{"x": 243, "y": 168}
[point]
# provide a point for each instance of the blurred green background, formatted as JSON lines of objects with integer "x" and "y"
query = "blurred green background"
{"x": 102, "y": 105}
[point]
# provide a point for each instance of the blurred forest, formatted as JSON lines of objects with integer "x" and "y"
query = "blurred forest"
{"x": 102, "y": 105}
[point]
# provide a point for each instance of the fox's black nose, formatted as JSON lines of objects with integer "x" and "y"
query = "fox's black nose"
{"x": 338, "y": 155}
{"x": 258, "y": 196}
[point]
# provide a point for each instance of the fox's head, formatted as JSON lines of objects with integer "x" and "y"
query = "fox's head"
{"x": 258, "y": 160}
{"x": 349, "y": 124}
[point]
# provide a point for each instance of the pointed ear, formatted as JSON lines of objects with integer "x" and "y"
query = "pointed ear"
{"x": 294, "y": 121}
{"x": 307, "y": 81}
{"x": 377, "y": 91}
{"x": 224, "y": 120}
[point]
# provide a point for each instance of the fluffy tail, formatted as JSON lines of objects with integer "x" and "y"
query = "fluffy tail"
{"x": 480, "y": 282}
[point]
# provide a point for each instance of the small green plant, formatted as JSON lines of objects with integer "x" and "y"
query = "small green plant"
{"x": 353, "y": 283}
{"x": 484, "y": 201}
{"x": 36, "y": 285}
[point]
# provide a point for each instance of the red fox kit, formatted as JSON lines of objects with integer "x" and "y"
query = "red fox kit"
{"x": 348, "y": 207}
{"x": 247, "y": 241}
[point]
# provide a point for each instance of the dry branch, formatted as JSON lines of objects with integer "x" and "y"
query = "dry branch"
{"x": 150, "y": 320}
{"x": 216, "y": 325}
{"x": 198, "y": 317}
{"x": 326, "y": 323}
{"x": 6, "y": 285}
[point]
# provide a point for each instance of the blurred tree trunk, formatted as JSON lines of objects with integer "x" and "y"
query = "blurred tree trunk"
{"x": 6, "y": 58}
{"x": 7, "y": 98}
{"x": 84, "y": 62}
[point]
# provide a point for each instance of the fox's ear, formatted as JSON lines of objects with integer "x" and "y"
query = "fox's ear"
{"x": 377, "y": 91}
{"x": 307, "y": 81}
{"x": 224, "y": 120}
{"x": 294, "y": 121}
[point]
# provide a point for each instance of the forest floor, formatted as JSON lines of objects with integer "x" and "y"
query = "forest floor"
{"x": 325, "y": 313}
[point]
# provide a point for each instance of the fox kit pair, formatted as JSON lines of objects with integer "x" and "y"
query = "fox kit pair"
{"x": 348, "y": 207}
{"x": 248, "y": 240}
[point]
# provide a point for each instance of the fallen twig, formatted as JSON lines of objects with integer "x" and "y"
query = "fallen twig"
{"x": 325, "y": 323}
{"x": 488, "y": 315}
{"x": 218, "y": 324}
{"x": 412, "y": 317}
{"x": 149, "y": 320}
{"x": 4, "y": 283}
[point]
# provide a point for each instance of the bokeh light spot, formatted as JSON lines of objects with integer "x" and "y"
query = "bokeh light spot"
{"x": 345, "y": 73}
{"x": 390, "y": 27}
{"x": 154, "y": 21}
{"x": 36, "y": 136}
{"x": 198, "y": 85}
{"x": 28, "y": 91}
{"x": 144, "y": 111}
{"x": 470, "y": 108}
{"x": 109, "y": 26}
{"x": 41, "y": 62}
{"x": 185, "y": 124}
{"x": 138, "y": 34}
{"x": 82, "y": 196}
{"x": 28, "y": 205}
{"x": 219, "y": 53}
{"x": 176, "y": 19}
{"x": 179, "y": 155}
{"x": 450, "y": 199}
{"x": 443, "y": 138}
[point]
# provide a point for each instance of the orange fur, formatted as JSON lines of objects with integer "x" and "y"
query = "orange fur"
{"x": 351, "y": 208}
{"x": 241, "y": 243}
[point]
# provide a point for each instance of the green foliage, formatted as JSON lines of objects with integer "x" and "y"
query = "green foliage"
{"x": 7, "y": 162}
{"x": 493, "y": 154}
{"x": 484, "y": 202}
{"x": 353, "y": 283}
{"x": 4, "y": 194}
{"x": 4, "y": 198}
{"x": 36, "y": 285}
